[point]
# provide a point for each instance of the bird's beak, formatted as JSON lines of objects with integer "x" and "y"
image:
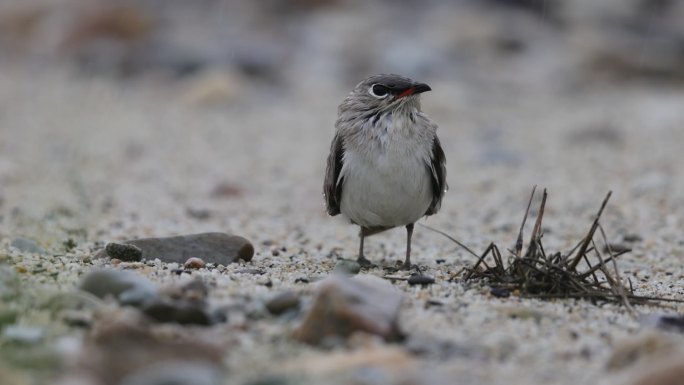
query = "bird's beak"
{"x": 416, "y": 88}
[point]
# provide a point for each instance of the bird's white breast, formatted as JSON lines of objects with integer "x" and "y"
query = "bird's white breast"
{"x": 385, "y": 177}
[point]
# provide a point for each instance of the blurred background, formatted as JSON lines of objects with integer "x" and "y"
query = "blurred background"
{"x": 126, "y": 119}
{"x": 149, "y": 117}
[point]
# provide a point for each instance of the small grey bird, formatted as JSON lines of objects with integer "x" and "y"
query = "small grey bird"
{"x": 386, "y": 167}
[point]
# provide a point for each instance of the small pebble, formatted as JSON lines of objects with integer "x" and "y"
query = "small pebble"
{"x": 251, "y": 271}
{"x": 123, "y": 252}
{"x": 194, "y": 263}
{"x": 632, "y": 238}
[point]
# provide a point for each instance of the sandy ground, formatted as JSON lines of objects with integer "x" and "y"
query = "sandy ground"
{"x": 96, "y": 161}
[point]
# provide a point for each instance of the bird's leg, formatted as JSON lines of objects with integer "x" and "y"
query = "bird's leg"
{"x": 409, "y": 233}
{"x": 362, "y": 260}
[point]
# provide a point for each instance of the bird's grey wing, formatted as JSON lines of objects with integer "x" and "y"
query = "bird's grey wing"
{"x": 332, "y": 185}
{"x": 437, "y": 168}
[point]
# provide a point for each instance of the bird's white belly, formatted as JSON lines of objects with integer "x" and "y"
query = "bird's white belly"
{"x": 386, "y": 190}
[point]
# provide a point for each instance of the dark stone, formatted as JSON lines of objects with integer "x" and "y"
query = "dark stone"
{"x": 283, "y": 302}
{"x": 632, "y": 238}
{"x": 201, "y": 214}
{"x": 123, "y": 252}
{"x": 617, "y": 248}
{"x": 182, "y": 312}
{"x": 420, "y": 279}
{"x": 500, "y": 292}
{"x": 251, "y": 271}
{"x": 183, "y": 304}
{"x": 219, "y": 248}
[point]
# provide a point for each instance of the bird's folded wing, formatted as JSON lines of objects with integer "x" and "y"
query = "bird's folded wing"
{"x": 437, "y": 169}
{"x": 332, "y": 185}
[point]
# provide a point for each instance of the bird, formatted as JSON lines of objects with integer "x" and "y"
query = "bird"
{"x": 386, "y": 167}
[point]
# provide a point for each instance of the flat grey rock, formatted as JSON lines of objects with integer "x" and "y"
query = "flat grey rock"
{"x": 219, "y": 248}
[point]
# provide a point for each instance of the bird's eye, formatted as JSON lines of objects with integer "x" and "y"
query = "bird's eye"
{"x": 379, "y": 91}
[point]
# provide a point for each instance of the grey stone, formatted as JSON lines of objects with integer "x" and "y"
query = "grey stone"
{"x": 128, "y": 288}
{"x": 124, "y": 252}
{"x": 27, "y": 245}
{"x": 218, "y": 248}
{"x": 345, "y": 305}
{"x": 347, "y": 266}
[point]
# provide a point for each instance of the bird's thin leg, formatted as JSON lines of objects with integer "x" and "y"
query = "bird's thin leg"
{"x": 409, "y": 233}
{"x": 362, "y": 260}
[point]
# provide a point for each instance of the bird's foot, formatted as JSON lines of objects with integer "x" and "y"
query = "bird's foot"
{"x": 365, "y": 263}
{"x": 407, "y": 266}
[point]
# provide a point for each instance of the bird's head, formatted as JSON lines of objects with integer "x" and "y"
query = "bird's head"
{"x": 385, "y": 92}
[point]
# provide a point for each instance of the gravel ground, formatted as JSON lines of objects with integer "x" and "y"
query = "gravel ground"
{"x": 94, "y": 161}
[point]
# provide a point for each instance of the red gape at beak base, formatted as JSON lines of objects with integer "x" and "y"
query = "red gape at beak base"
{"x": 407, "y": 92}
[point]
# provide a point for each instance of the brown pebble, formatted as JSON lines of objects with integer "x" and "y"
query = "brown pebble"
{"x": 346, "y": 305}
{"x": 194, "y": 263}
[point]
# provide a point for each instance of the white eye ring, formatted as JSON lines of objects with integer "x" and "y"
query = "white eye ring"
{"x": 370, "y": 91}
